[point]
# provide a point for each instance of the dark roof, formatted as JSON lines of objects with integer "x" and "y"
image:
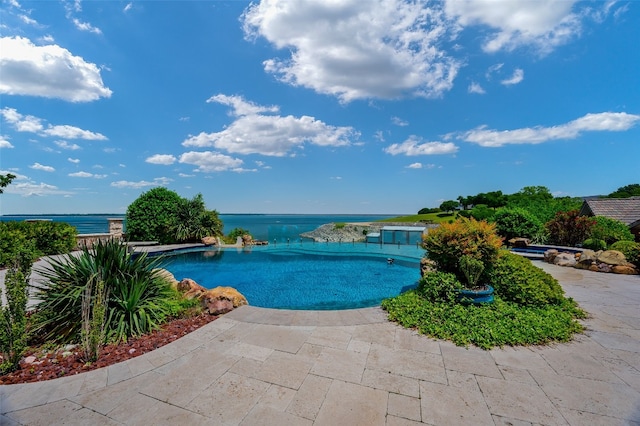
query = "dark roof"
{"x": 626, "y": 210}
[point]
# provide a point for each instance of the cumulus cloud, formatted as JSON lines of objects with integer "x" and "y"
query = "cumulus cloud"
{"x": 414, "y": 166}
{"x": 517, "y": 77}
{"x": 414, "y": 146}
{"x": 4, "y": 142}
{"x": 73, "y": 160}
{"x": 476, "y": 88}
{"x": 38, "y": 166}
{"x": 67, "y": 145}
{"x": 253, "y": 132}
{"x": 85, "y": 26}
{"x": 87, "y": 175}
{"x": 163, "y": 159}
{"x": 48, "y": 71}
{"x": 161, "y": 181}
{"x": 208, "y": 161}
{"x": 542, "y": 24}
{"x": 357, "y": 49}
{"x": 31, "y": 189}
{"x": 399, "y": 122}
{"x": 32, "y": 124}
{"x": 605, "y": 121}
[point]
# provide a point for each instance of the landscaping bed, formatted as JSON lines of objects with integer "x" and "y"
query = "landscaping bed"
{"x": 51, "y": 363}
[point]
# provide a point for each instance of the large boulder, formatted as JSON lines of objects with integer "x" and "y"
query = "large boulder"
{"x": 624, "y": 269}
{"x": 612, "y": 257}
{"x": 550, "y": 255}
{"x": 586, "y": 259}
{"x": 191, "y": 289}
{"x": 167, "y": 276}
{"x": 519, "y": 242}
{"x": 209, "y": 241}
{"x": 565, "y": 259}
{"x": 221, "y": 300}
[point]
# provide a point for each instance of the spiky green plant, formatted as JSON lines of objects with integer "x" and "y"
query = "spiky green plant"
{"x": 139, "y": 300}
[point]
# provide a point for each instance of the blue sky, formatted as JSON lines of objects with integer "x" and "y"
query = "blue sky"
{"x": 315, "y": 106}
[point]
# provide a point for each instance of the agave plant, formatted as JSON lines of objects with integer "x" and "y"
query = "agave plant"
{"x": 138, "y": 299}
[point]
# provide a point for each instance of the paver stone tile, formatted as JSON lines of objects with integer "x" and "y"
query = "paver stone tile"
{"x": 340, "y": 364}
{"x": 354, "y": 405}
{"x": 519, "y": 401}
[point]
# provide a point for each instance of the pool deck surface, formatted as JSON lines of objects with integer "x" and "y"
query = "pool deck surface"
{"x": 273, "y": 367}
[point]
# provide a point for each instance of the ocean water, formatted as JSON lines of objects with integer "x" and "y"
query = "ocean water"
{"x": 270, "y": 227}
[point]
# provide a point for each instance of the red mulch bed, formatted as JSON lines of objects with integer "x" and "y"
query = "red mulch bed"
{"x": 52, "y": 364}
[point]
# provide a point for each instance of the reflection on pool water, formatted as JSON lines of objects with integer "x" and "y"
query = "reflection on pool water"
{"x": 304, "y": 276}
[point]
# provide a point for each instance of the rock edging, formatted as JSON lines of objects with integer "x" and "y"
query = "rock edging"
{"x": 608, "y": 261}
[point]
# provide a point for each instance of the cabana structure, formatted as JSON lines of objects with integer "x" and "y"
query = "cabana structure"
{"x": 397, "y": 235}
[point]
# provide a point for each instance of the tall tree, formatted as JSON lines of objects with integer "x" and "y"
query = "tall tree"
{"x": 5, "y": 180}
{"x": 626, "y": 191}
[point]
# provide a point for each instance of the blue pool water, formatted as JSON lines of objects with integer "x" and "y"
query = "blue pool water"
{"x": 310, "y": 277}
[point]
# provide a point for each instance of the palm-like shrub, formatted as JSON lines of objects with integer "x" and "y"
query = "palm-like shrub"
{"x": 138, "y": 299}
{"x": 447, "y": 243}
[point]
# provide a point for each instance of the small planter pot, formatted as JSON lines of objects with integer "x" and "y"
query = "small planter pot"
{"x": 476, "y": 297}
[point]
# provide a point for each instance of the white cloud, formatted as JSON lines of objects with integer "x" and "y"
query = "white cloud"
{"x": 67, "y": 145}
{"x": 128, "y": 7}
{"x": 87, "y": 175}
{"x": 414, "y": 166}
{"x": 161, "y": 181}
{"x": 38, "y": 166}
{"x": 357, "y": 49}
{"x": 73, "y": 160}
{"x": 272, "y": 135}
{"x": 4, "y": 142}
{"x": 164, "y": 159}
{"x": 605, "y": 121}
{"x": 185, "y": 175}
{"x": 517, "y": 77}
{"x": 30, "y": 189}
{"x": 85, "y": 26}
{"x": 72, "y": 132}
{"x": 542, "y": 24}
{"x": 208, "y": 161}
{"x": 399, "y": 122}
{"x": 476, "y": 88}
{"x": 240, "y": 106}
{"x": 415, "y": 146}
{"x": 33, "y": 124}
{"x": 48, "y": 71}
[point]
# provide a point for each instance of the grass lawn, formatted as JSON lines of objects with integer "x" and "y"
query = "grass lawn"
{"x": 426, "y": 218}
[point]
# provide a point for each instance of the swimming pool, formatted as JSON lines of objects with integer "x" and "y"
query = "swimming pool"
{"x": 312, "y": 277}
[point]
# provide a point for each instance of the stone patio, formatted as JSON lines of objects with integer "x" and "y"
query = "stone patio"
{"x": 259, "y": 366}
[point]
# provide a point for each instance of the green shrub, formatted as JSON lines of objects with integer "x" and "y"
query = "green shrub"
{"x": 138, "y": 299}
{"x": 569, "y": 228}
{"x": 516, "y": 222}
{"x": 439, "y": 287}
{"x": 516, "y": 279}
{"x": 630, "y": 249}
{"x": 46, "y": 238}
{"x": 153, "y": 216}
{"x": 162, "y": 215}
{"x": 233, "y": 235}
{"x": 13, "y": 316}
{"x": 482, "y": 212}
{"x": 594, "y": 244}
{"x": 610, "y": 230}
{"x": 339, "y": 225}
{"x": 447, "y": 243}
{"x": 499, "y": 324}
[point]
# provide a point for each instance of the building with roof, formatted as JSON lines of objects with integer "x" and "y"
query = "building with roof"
{"x": 626, "y": 210}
